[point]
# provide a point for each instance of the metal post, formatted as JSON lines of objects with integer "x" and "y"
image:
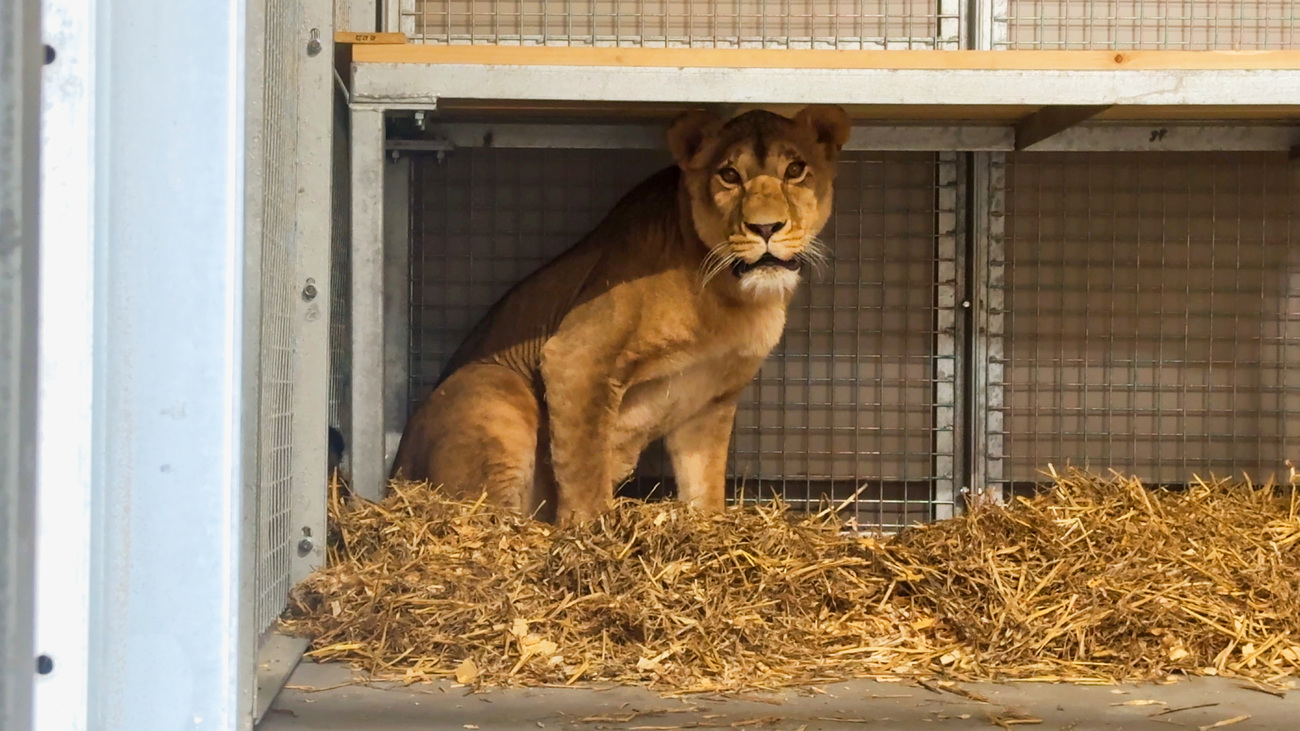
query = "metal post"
{"x": 986, "y": 24}
{"x": 366, "y": 445}
{"x": 311, "y": 351}
{"x": 19, "y": 180}
{"x": 986, "y": 276}
{"x": 947, "y": 447}
{"x": 172, "y": 472}
{"x": 397, "y": 302}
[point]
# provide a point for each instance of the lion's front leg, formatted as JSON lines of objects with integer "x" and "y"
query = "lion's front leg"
{"x": 698, "y": 449}
{"x": 581, "y": 403}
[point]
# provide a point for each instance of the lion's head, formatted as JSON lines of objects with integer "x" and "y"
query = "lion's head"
{"x": 760, "y": 188}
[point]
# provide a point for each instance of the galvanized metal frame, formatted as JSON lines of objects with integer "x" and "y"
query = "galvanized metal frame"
{"x": 175, "y": 373}
{"x": 397, "y": 301}
{"x": 945, "y": 19}
{"x": 947, "y": 354}
{"x": 278, "y": 655}
{"x": 358, "y": 16}
{"x": 19, "y": 181}
{"x": 315, "y": 195}
{"x": 366, "y": 443}
{"x": 986, "y": 281}
{"x": 420, "y": 86}
{"x": 1102, "y": 136}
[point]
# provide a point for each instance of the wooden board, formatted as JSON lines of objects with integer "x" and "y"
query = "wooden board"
{"x": 344, "y": 36}
{"x": 782, "y": 58}
{"x": 880, "y": 114}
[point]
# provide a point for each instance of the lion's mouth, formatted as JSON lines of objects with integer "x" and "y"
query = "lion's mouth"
{"x": 741, "y": 267}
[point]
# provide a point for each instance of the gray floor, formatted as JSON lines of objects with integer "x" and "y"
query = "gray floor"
{"x": 309, "y": 703}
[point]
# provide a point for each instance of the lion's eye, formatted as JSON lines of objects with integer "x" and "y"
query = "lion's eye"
{"x": 794, "y": 170}
{"x": 729, "y": 176}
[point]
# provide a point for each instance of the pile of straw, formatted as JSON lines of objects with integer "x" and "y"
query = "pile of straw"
{"x": 1093, "y": 580}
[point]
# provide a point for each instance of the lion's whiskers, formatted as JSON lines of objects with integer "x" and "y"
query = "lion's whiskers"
{"x": 817, "y": 254}
{"x": 715, "y": 262}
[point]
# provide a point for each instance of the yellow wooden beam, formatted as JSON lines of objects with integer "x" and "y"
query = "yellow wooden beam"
{"x": 418, "y": 53}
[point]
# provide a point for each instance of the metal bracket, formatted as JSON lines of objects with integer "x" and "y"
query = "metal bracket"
{"x": 1053, "y": 120}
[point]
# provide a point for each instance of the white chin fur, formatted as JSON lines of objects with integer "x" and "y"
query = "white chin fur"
{"x": 769, "y": 282}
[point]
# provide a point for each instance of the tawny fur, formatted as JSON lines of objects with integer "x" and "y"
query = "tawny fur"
{"x": 649, "y": 327}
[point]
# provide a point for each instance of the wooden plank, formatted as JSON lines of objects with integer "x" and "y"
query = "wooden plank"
{"x": 510, "y": 109}
{"x": 344, "y": 36}
{"x": 484, "y": 109}
{"x": 1049, "y": 121}
{"x": 417, "y": 53}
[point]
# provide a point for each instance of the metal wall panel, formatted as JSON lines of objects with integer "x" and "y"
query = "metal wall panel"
{"x": 1152, "y": 314}
{"x": 853, "y": 24}
{"x": 1183, "y": 25}
{"x": 848, "y": 400}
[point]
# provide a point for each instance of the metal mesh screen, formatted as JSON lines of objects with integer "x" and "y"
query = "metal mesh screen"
{"x": 340, "y": 275}
{"x": 858, "y": 394}
{"x": 275, "y": 430}
{"x": 1152, "y": 317}
{"x": 689, "y": 23}
{"x": 1152, "y": 24}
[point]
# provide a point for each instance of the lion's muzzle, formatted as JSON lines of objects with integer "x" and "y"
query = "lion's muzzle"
{"x": 741, "y": 267}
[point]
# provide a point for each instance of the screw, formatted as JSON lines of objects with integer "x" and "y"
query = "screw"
{"x": 965, "y": 304}
{"x": 309, "y": 292}
{"x": 305, "y": 546}
{"x": 44, "y": 665}
{"x": 313, "y": 45}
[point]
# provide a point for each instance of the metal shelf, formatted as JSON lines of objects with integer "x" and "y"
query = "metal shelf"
{"x": 914, "y": 86}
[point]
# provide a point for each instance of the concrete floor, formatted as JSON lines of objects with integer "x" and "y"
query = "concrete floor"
{"x": 309, "y": 704}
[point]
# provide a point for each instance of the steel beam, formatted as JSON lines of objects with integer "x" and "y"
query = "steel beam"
{"x": 420, "y": 86}
{"x": 1050, "y": 121}
{"x": 1100, "y": 136}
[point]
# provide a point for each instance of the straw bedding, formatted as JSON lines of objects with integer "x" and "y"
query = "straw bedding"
{"x": 1095, "y": 579}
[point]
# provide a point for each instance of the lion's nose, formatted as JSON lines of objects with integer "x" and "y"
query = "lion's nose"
{"x": 765, "y": 229}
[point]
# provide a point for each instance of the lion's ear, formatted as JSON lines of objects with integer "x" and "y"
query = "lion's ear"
{"x": 688, "y": 134}
{"x": 829, "y": 124}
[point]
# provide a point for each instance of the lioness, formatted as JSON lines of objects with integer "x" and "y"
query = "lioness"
{"x": 648, "y": 327}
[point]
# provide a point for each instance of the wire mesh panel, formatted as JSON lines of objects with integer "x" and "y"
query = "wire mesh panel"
{"x": 1152, "y": 318}
{"x": 698, "y": 23}
{"x": 1150, "y": 24}
{"x": 340, "y": 279}
{"x": 278, "y": 261}
{"x": 849, "y": 399}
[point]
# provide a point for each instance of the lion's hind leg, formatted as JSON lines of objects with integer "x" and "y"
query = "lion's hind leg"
{"x": 476, "y": 433}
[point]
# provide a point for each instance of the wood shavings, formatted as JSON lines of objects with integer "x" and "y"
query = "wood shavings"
{"x": 1095, "y": 580}
{"x": 1226, "y": 722}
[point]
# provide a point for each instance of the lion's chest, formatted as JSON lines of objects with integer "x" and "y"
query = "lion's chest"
{"x": 688, "y": 374}
{"x": 656, "y": 407}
